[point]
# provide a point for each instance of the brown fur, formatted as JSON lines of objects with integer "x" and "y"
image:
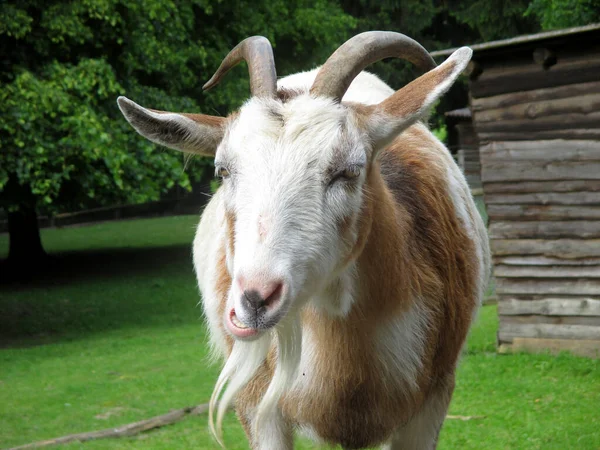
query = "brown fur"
{"x": 347, "y": 410}
{"x": 407, "y": 241}
{"x": 222, "y": 286}
{"x": 205, "y": 119}
{"x": 409, "y": 100}
{"x": 410, "y": 249}
{"x": 213, "y": 121}
{"x": 410, "y": 243}
{"x": 230, "y": 223}
{"x": 285, "y": 95}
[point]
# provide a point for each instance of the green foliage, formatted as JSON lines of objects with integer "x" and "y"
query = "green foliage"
{"x": 441, "y": 132}
{"x": 63, "y": 143}
{"x": 553, "y": 14}
{"x": 494, "y": 19}
{"x": 214, "y": 185}
{"x": 14, "y": 21}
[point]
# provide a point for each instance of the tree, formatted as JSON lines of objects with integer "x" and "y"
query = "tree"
{"x": 554, "y": 14}
{"x": 64, "y": 145}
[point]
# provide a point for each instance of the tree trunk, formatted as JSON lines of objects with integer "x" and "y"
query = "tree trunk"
{"x": 25, "y": 242}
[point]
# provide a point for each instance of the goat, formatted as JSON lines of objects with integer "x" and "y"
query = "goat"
{"x": 342, "y": 260}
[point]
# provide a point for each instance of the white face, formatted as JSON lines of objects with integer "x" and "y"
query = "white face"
{"x": 293, "y": 186}
{"x": 293, "y": 178}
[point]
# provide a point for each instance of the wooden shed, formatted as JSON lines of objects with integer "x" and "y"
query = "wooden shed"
{"x": 535, "y": 102}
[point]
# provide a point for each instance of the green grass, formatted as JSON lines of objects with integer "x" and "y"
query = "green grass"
{"x": 113, "y": 334}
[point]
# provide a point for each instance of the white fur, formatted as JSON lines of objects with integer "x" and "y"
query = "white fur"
{"x": 460, "y": 58}
{"x": 281, "y": 157}
{"x": 273, "y": 433}
{"x": 422, "y": 431}
{"x": 366, "y": 88}
{"x": 278, "y": 172}
{"x": 465, "y": 208}
{"x": 268, "y": 425}
{"x": 400, "y": 344}
{"x": 242, "y": 364}
{"x": 209, "y": 239}
{"x": 338, "y": 297}
{"x": 272, "y": 169}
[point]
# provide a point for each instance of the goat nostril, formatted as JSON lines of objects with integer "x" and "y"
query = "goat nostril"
{"x": 274, "y": 295}
{"x": 264, "y": 297}
{"x": 253, "y": 299}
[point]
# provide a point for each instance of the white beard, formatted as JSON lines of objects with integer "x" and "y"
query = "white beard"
{"x": 241, "y": 366}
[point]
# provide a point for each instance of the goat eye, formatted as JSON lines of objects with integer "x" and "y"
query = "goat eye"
{"x": 349, "y": 173}
{"x": 222, "y": 172}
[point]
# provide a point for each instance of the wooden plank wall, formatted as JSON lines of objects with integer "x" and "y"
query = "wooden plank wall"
{"x": 468, "y": 154}
{"x": 539, "y": 131}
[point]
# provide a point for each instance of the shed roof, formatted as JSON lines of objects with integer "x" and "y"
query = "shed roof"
{"x": 521, "y": 40}
{"x": 462, "y": 113}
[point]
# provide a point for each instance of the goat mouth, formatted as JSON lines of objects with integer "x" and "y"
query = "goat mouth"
{"x": 238, "y": 329}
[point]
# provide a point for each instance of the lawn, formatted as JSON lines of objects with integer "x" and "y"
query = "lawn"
{"x": 113, "y": 334}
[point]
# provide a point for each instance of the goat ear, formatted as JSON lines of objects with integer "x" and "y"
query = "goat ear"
{"x": 190, "y": 133}
{"x": 411, "y": 103}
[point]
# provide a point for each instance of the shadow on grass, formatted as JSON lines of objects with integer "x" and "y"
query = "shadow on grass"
{"x": 77, "y": 293}
{"x": 66, "y": 267}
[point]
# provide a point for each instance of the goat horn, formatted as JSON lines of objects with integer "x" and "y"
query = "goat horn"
{"x": 364, "y": 49}
{"x": 258, "y": 53}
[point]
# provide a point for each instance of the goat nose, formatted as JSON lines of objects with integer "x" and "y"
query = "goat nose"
{"x": 261, "y": 294}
